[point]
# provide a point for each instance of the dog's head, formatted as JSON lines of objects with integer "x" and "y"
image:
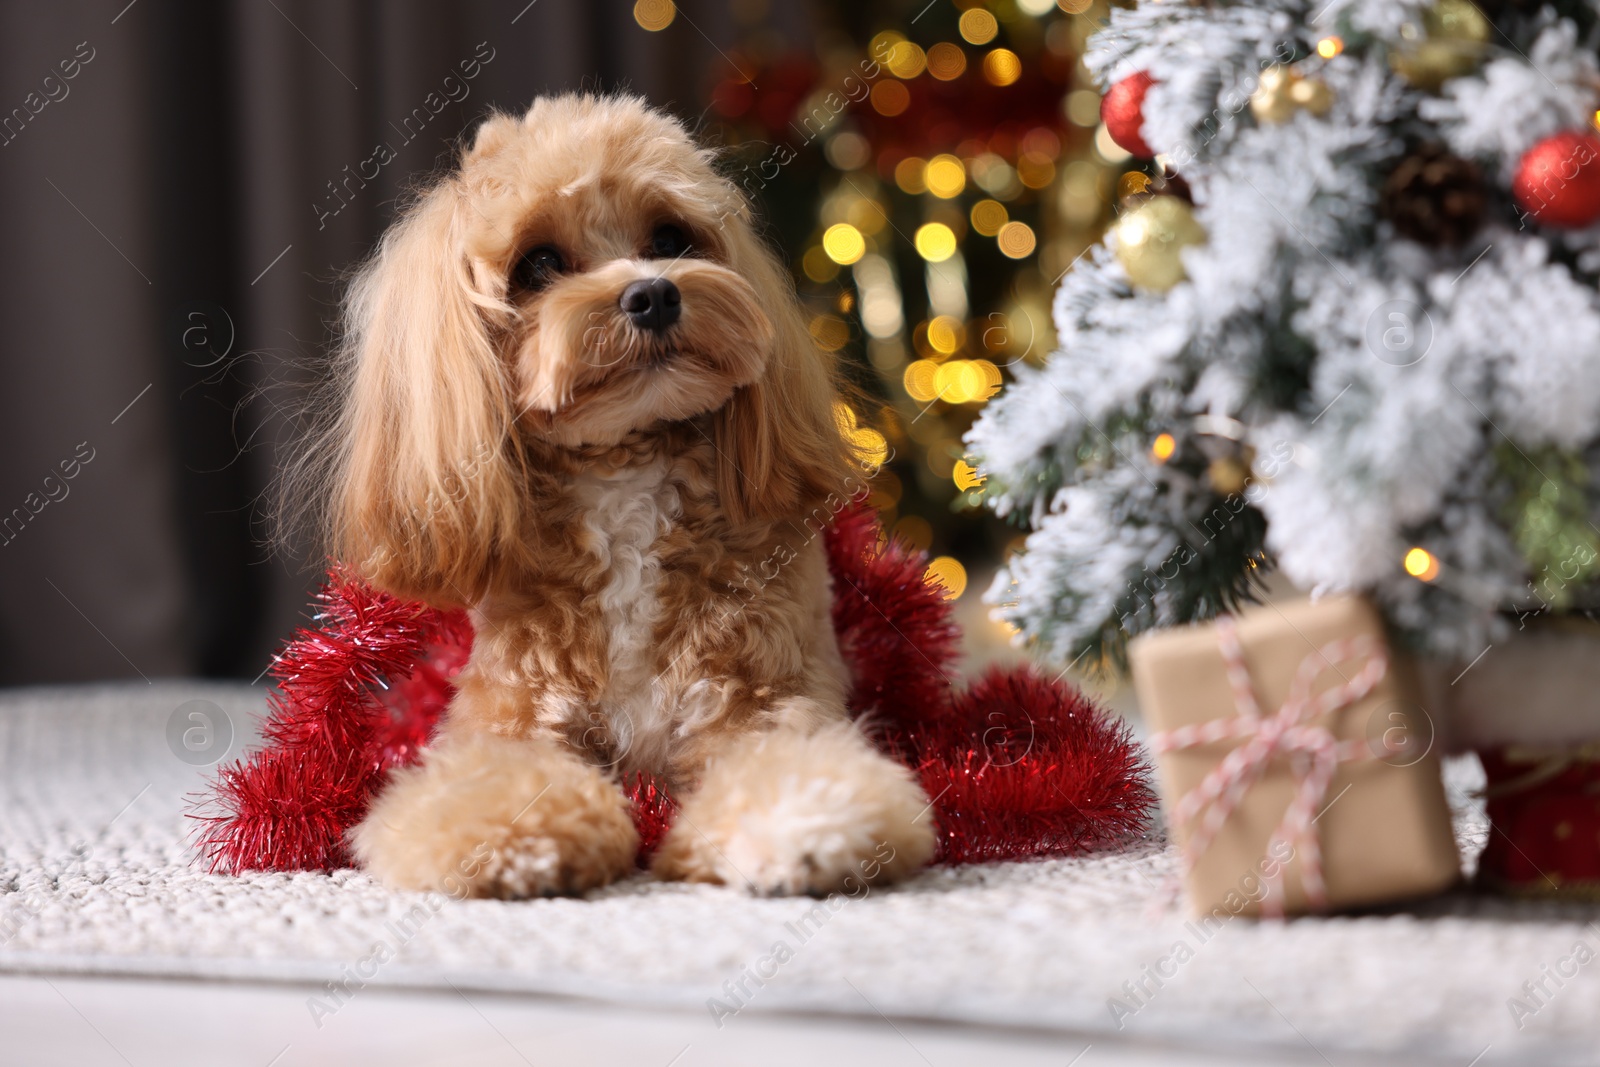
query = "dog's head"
{"x": 585, "y": 274}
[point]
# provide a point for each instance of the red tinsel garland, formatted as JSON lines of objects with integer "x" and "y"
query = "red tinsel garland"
{"x": 1017, "y": 765}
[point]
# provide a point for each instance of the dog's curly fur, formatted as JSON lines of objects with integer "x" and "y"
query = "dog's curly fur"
{"x": 629, "y": 513}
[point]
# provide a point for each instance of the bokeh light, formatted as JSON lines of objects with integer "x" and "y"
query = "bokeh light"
{"x": 1001, "y": 66}
{"x": 883, "y": 44}
{"x": 906, "y": 60}
{"x": 1036, "y": 170}
{"x": 1330, "y": 46}
{"x": 1162, "y": 448}
{"x": 988, "y": 216}
{"x": 946, "y": 335}
{"x": 919, "y": 380}
{"x": 1422, "y": 564}
{"x": 947, "y": 62}
{"x": 871, "y": 447}
{"x": 948, "y": 572}
{"x": 830, "y": 332}
{"x": 1083, "y": 107}
{"x": 890, "y": 98}
{"x": 966, "y": 476}
{"x": 844, "y": 243}
{"x": 654, "y": 14}
{"x": 935, "y": 242}
{"x": 818, "y": 266}
{"x": 908, "y": 175}
{"x": 945, "y": 177}
{"x": 1017, "y": 240}
{"x": 978, "y": 26}
{"x": 965, "y": 381}
{"x": 848, "y": 150}
{"x": 914, "y": 531}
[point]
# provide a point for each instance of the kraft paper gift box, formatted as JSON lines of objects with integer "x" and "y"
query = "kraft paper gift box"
{"x": 1380, "y": 831}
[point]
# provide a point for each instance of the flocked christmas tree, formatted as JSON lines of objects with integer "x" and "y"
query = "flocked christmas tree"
{"x": 1361, "y": 345}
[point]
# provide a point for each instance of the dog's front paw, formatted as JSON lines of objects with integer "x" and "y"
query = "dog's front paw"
{"x": 789, "y": 812}
{"x": 490, "y": 816}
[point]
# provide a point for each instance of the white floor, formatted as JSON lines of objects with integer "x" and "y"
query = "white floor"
{"x": 87, "y": 1022}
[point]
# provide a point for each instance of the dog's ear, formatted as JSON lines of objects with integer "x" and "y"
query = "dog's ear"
{"x": 424, "y": 495}
{"x": 780, "y": 448}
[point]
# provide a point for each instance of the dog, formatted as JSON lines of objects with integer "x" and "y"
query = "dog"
{"x": 576, "y": 395}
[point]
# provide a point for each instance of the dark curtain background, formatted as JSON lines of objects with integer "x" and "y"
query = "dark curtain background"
{"x": 175, "y": 215}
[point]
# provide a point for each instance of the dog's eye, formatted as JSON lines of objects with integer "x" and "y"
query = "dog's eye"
{"x": 537, "y": 268}
{"x": 669, "y": 242}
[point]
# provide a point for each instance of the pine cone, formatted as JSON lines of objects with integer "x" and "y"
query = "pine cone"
{"x": 1434, "y": 198}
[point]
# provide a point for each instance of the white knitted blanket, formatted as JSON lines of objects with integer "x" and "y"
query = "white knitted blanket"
{"x": 96, "y": 876}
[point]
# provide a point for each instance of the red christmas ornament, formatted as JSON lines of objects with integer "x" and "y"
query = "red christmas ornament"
{"x": 1018, "y": 765}
{"x": 1122, "y": 110}
{"x": 1558, "y": 180}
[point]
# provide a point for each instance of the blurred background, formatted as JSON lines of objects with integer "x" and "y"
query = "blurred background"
{"x": 182, "y": 185}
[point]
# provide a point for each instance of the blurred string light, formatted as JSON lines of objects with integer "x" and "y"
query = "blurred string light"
{"x": 907, "y": 60}
{"x": 1162, "y": 448}
{"x": 1109, "y": 150}
{"x": 1016, "y": 240}
{"x": 890, "y": 98}
{"x": 1330, "y": 46}
{"x": 1422, "y": 564}
{"x": 654, "y": 14}
{"x": 880, "y": 297}
{"x": 870, "y": 445}
{"x": 947, "y": 61}
{"x": 914, "y": 531}
{"x": 1013, "y": 183}
{"x": 945, "y": 177}
{"x": 956, "y": 381}
{"x": 988, "y": 216}
{"x": 848, "y": 150}
{"x": 818, "y": 266}
{"x": 909, "y": 175}
{"x": 948, "y": 572}
{"x": 946, "y": 283}
{"x": 1002, "y": 67}
{"x": 978, "y": 26}
{"x": 946, "y": 335}
{"x": 844, "y": 243}
{"x": 1083, "y": 107}
{"x": 935, "y": 242}
{"x": 830, "y": 332}
{"x": 995, "y": 176}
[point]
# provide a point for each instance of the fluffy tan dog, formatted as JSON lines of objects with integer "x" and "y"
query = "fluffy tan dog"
{"x": 579, "y": 397}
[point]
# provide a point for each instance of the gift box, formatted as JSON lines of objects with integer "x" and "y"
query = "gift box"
{"x": 1544, "y": 813}
{"x": 1295, "y": 761}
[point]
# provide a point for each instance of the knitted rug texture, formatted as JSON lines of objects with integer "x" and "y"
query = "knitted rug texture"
{"x": 97, "y": 876}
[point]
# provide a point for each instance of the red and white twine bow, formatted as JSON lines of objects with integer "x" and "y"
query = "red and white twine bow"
{"x": 1314, "y": 754}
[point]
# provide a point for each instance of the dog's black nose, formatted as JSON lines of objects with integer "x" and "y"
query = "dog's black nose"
{"x": 653, "y": 304}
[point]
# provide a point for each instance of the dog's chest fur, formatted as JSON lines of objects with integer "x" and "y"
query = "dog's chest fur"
{"x": 625, "y": 512}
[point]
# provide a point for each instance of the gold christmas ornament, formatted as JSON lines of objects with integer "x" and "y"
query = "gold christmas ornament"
{"x": 1149, "y": 238}
{"x": 1449, "y": 43}
{"x": 1282, "y": 91}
